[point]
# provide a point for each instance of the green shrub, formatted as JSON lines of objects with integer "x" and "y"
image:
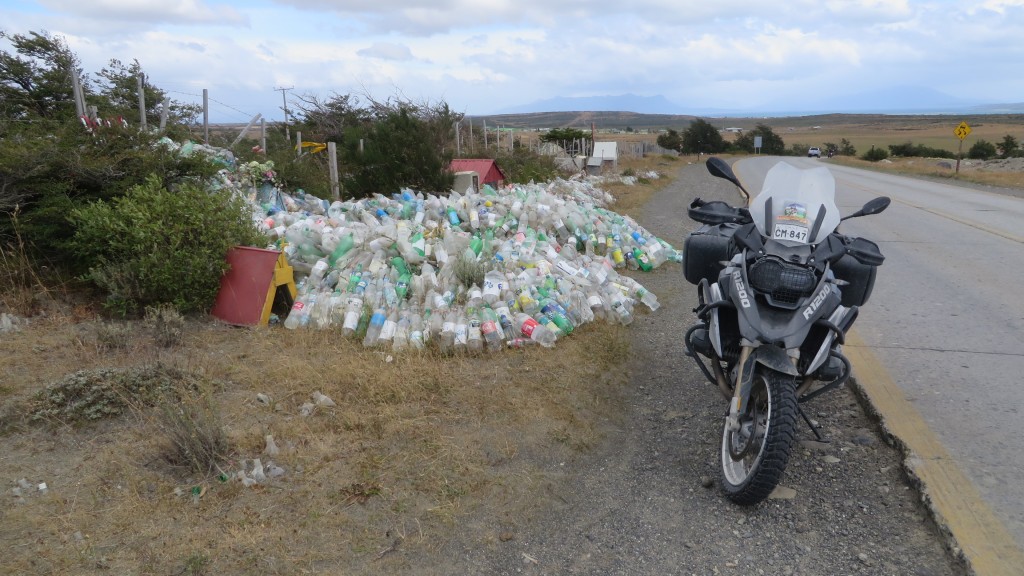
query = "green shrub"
{"x": 982, "y": 150}
{"x": 155, "y": 246}
{"x": 875, "y": 154}
{"x": 524, "y": 165}
{"x": 918, "y": 150}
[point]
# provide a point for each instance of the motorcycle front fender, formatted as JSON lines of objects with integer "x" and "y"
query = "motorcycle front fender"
{"x": 776, "y": 359}
{"x": 771, "y": 357}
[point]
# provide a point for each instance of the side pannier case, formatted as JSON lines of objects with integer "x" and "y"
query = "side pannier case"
{"x": 704, "y": 251}
{"x": 861, "y": 279}
{"x": 706, "y": 248}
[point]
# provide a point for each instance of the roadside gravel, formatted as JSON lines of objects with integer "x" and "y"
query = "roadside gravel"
{"x": 646, "y": 499}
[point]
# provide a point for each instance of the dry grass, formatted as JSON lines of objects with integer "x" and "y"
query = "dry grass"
{"x": 931, "y": 168}
{"x": 629, "y": 199}
{"x": 413, "y": 443}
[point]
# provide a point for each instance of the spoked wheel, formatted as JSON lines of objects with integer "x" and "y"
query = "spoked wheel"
{"x": 754, "y": 457}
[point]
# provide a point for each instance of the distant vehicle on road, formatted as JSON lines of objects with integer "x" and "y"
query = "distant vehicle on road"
{"x": 814, "y": 152}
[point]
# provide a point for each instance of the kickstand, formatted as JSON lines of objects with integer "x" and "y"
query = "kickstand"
{"x": 813, "y": 428}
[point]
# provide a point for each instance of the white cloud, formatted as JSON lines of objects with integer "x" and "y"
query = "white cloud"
{"x": 386, "y": 51}
{"x": 150, "y": 11}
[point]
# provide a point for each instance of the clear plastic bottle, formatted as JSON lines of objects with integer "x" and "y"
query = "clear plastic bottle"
{"x": 533, "y": 330}
{"x": 491, "y": 329}
{"x": 475, "y": 337}
{"x": 446, "y": 342}
{"x": 557, "y": 314}
{"x": 401, "y": 337}
{"x": 506, "y": 319}
{"x": 390, "y": 328}
{"x": 299, "y": 308}
{"x": 353, "y": 309}
{"x": 494, "y": 282}
{"x": 376, "y": 325}
{"x": 461, "y": 332}
{"x": 416, "y": 339}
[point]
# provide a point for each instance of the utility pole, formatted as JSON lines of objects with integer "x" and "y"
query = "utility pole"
{"x": 284, "y": 98}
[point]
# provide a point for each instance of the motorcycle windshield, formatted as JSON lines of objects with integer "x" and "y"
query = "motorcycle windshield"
{"x": 796, "y": 206}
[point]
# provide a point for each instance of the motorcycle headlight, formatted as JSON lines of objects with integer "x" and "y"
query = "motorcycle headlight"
{"x": 781, "y": 282}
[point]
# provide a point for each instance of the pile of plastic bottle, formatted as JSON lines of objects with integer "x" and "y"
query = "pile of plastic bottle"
{"x": 520, "y": 266}
{"x": 469, "y": 272}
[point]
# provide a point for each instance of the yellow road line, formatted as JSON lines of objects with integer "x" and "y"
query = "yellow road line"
{"x": 956, "y": 503}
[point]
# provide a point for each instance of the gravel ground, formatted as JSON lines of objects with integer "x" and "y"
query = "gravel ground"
{"x": 646, "y": 499}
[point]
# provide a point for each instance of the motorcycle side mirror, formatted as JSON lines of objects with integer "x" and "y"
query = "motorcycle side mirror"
{"x": 872, "y": 207}
{"x": 721, "y": 169}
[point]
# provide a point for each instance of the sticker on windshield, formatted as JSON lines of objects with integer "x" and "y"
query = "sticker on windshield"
{"x": 795, "y": 213}
{"x": 792, "y": 223}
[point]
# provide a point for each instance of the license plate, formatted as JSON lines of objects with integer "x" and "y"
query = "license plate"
{"x": 790, "y": 232}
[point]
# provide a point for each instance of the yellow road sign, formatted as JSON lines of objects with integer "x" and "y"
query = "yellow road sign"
{"x": 962, "y": 130}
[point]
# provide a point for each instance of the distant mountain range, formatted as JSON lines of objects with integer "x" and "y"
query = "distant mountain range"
{"x": 897, "y": 100}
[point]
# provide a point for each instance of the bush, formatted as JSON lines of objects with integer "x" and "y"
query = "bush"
{"x": 875, "y": 154}
{"x": 909, "y": 149}
{"x": 524, "y": 165}
{"x": 982, "y": 150}
{"x": 154, "y": 246}
{"x": 196, "y": 438}
{"x": 89, "y": 395}
{"x": 47, "y": 171}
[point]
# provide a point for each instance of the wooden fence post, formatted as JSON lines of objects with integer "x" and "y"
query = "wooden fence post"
{"x": 206, "y": 116}
{"x": 332, "y": 158}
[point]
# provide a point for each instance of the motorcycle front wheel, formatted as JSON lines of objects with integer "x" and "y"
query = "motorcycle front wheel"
{"x": 755, "y": 455}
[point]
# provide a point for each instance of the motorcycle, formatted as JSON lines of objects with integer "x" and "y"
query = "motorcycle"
{"x": 778, "y": 289}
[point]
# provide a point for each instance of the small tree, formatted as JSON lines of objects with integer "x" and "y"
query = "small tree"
{"x": 1008, "y": 147}
{"x": 982, "y": 150}
{"x": 35, "y": 81}
{"x": 566, "y": 138}
{"x": 771, "y": 143}
{"x": 846, "y": 148}
{"x": 702, "y": 136}
{"x": 671, "y": 140}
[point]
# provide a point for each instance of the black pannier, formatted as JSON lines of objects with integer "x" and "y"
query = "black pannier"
{"x": 861, "y": 279}
{"x": 704, "y": 251}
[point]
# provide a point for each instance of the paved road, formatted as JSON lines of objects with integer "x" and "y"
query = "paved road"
{"x": 946, "y": 319}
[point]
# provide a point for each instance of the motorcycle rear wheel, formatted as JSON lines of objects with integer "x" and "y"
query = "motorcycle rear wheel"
{"x": 755, "y": 456}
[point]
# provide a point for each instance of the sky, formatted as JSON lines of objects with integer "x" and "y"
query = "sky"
{"x": 487, "y": 56}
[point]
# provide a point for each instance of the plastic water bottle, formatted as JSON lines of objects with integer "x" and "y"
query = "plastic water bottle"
{"x": 316, "y": 276}
{"x": 475, "y": 338}
{"x": 401, "y": 339}
{"x": 299, "y": 308}
{"x": 376, "y": 325}
{"x": 416, "y": 339}
{"x": 491, "y": 330}
{"x": 556, "y": 314}
{"x": 446, "y": 343}
{"x": 531, "y": 329}
{"x": 353, "y": 309}
{"x": 461, "y": 333}
{"x": 388, "y": 330}
{"x": 505, "y": 320}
